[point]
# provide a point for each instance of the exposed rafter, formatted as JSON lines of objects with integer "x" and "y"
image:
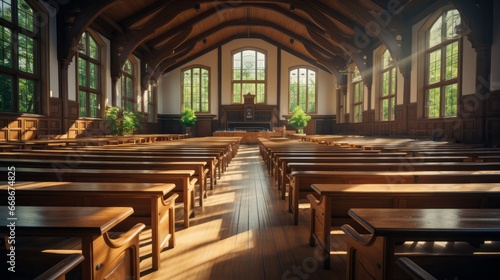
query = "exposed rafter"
{"x": 323, "y": 33}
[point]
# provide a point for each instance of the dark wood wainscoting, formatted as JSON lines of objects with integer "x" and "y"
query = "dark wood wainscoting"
{"x": 170, "y": 124}
{"x": 23, "y": 127}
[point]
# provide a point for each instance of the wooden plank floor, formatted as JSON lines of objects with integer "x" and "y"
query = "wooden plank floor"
{"x": 244, "y": 231}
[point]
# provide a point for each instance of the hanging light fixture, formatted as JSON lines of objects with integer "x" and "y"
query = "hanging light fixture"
{"x": 399, "y": 39}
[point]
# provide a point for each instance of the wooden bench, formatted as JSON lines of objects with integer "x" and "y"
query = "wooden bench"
{"x": 226, "y": 147}
{"x": 104, "y": 256}
{"x": 274, "y": 162}
{"x": 473, "y": 154}
{"x": 335, "y": 200}
{"x": 392, "y": 166}
{"x": 488, "y": 158}
{"x": 153, "y": 204}
{"x": 184, "y": 183}
{"x": 63, "y": 165}
{"x": 74, "y": 157}
{"x": 375, "y": 254}
{"x": 283, "y": 163}
{"x": 301, "y": 181}
{"x": 216, "y": 158}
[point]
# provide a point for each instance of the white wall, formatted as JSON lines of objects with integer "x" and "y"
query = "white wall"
{"x": 169, "y": 94}
{"x": 468, "y": 68}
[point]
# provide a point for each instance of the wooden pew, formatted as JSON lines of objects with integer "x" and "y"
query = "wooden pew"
{"x": 274, "y": 161}
{"x": 59, "y": 271}
{"x": 473, "y": 154}
{"x": 220, "y": 161}
{"x": 335, "y": 200}
{"x": 375, "y": 254}
{"x": 488, "y": 158}
{"x": 283, "y": 163}
{"x": 184, "y": 183}
{"x": 391, "y": 166}
{"x": 105, "y": 256}
{"x": 63, "y": 165}
{"x": 72, "y": 158}
{"x": 153, "y": 204}
{"x": 301, "y": 181}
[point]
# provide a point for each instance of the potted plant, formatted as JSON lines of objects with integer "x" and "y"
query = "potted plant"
{"x": 299, "y": 119}
{"x": 188, "y": 119}
{"x": 122, "y": 122}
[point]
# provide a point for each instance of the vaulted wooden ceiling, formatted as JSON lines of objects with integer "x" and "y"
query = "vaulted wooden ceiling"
{"x": 165, "y": 34}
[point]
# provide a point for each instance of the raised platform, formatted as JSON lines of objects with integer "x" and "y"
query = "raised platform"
{"x": 248, "y": 137}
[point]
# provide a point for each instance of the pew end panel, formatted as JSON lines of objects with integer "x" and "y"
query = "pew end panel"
{"x": 331, "y": 209}
{"x": 368, "y": 256}
{"x": 116, "y": 258}
{"x": 113, "y": 255}
{"x": 153, "y": 204}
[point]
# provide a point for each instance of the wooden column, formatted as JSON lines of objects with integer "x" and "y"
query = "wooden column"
{"x": 483, "y": 71}
{"x": 63, "y": 94}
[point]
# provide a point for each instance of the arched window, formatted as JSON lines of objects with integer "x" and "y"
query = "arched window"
{"x": 127, "y": 87}
{"x": 388, "y": 87}
{"x": 249, "y": 75}
{"x": 89, "y": 76}
{"x": 357, "y": 96}
{"x": 20, "y": 74}
{"x": 303, "y": 89}
{"x": 442, "y": 66}
{"x": 196, "y": 89}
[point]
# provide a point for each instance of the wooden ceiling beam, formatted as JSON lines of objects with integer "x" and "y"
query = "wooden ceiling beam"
{"x": 70, "y": 33}
{"x": 241, "y": 36}
{"x": 205, "y": 15}
{"x": 146, "y": 12}
{"x": 167, "y": 51}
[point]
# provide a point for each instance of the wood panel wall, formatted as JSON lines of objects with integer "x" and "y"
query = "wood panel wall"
{"x": 478, "y": 122}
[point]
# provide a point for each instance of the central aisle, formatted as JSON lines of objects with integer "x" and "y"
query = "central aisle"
{"x": 243, "y": 231}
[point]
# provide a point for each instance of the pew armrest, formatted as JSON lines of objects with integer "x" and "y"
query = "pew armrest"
{"x": 361, "y": 239}
{"x": 314, "y": 202}
{"x": 193, "y": 181}
{"x": 127, "y": 238}
{"x": 170, "y": 200}
{"x": 413, "y": 269}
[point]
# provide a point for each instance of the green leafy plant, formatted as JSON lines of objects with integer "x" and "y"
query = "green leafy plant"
{"x": 299, "y": 119}
{"x": 188, "y": 118}
{"x": 122, "y": 122}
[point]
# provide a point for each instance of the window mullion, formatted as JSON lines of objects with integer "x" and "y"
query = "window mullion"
{"x": 443, "y": 79}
